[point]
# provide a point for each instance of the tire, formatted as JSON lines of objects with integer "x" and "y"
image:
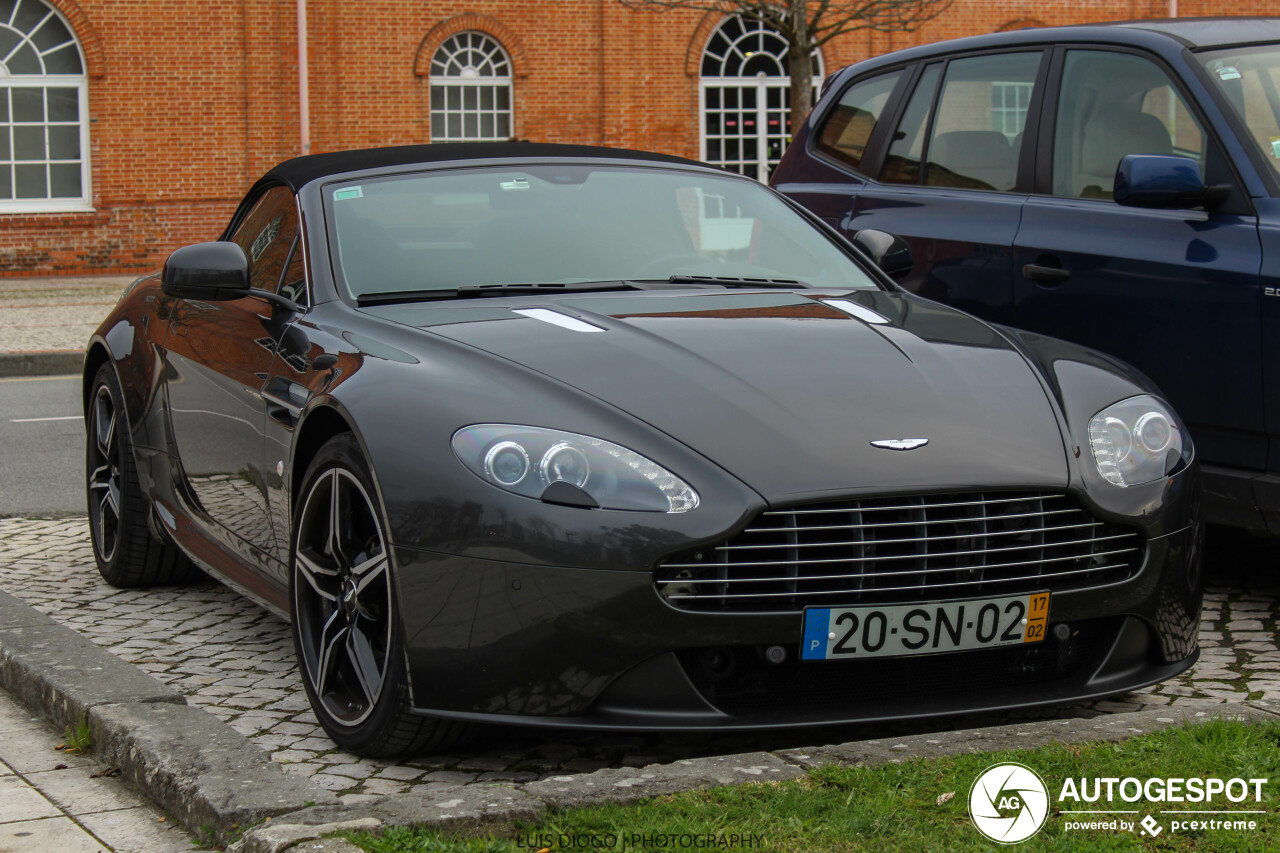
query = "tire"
{"x": 128, "y": 554}
{"x": 347, "y": 632}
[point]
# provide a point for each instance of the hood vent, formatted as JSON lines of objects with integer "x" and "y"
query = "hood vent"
{"x": 853, "y": 309}
{"x": 555, "y": 318}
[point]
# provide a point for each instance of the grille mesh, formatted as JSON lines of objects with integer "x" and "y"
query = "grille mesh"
{"x": 912, "y": 548}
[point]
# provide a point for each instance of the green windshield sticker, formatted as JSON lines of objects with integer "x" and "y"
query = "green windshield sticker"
{"x": 349, "y": 192}
{"x": 1228, "y": 73}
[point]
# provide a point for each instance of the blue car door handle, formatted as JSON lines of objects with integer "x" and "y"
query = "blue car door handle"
{"x": 1048, "y": 276}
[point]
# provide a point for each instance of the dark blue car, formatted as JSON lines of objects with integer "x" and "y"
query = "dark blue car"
{"x": 1114, "y": 185}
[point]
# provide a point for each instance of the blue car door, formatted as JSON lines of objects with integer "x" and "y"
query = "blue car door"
{"x": 955, "y": 176}
{"x": 1175, "y": 292}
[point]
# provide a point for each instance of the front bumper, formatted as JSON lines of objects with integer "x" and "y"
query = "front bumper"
{"x": 535, "y": 645}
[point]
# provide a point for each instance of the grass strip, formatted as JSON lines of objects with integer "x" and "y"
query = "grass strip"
{"x": 915, "y": 805}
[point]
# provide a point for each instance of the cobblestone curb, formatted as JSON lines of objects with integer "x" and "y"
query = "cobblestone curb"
{"x": 184, "y": 759}
{"x": 498, "y": 808}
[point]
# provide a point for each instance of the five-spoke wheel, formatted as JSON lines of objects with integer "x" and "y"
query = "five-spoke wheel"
{"x": 103, "y": 462}
{"x": 342, "y": 597}
{"x": 128, "y": 552}
{"x": 346, "y": 625}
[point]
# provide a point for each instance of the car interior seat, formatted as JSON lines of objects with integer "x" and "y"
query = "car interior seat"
{"x": 967, "y": 156}
{"x": 1109, "y": 135}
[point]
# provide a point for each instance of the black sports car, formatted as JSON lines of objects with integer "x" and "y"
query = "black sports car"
{"x": 583, "y": 437}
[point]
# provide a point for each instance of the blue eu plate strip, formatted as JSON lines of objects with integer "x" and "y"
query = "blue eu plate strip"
{"x": 816, "y": 624}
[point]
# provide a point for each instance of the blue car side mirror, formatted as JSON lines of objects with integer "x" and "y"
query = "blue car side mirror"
{"x": 1162, "y": 181}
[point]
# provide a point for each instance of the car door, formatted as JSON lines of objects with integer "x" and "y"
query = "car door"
{"x": 218, "y": 354}
{"x": 1174, "y": 292}
{"x": 955, "y": 176}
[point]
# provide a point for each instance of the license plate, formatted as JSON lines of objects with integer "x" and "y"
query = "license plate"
{"x": 842, "y": 633}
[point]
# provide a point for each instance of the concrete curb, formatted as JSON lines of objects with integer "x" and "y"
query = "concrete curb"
{"x": 40, "y": 363}
{"x": 183, "y": 758}
{"x": 197, "y": 768}
{"x": 219, "y": 784}
{"x": 62, "y": 675}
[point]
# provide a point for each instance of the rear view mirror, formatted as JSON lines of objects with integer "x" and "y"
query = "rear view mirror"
{"x": 210, "y": 271}
{"x": 1162, "y": 181}
{"x": 891, "y": 253}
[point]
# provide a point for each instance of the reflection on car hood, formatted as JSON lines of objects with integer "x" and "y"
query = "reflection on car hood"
{"x": 787, "y": 392}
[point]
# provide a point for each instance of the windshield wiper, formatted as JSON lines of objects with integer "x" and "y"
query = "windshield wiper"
{"x": 737, "y": 281}
{"x": 479, "y": 291}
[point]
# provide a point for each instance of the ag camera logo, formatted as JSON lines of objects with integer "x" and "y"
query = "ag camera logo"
{"x": 1009, "y": 803}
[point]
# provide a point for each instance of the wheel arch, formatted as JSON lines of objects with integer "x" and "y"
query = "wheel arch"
{"x": 320, "y": 424}
{"x": 94, "y": 358}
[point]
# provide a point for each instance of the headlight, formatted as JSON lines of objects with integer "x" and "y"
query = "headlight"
{"x": 528, "y": 460}
{"x": 1137, "y": 441}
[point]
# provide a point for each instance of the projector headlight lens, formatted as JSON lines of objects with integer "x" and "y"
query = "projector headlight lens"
{"x": 1137, "y": 441}
{"x": 613, "y": 476}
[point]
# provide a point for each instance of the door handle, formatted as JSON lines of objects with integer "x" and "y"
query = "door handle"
{"x": 1045, "y": 275}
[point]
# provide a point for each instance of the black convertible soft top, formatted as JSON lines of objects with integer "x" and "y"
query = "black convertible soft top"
{"x": 300, "y": 171}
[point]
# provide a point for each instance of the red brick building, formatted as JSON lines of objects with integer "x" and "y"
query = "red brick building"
{"x": 130, "y": 127}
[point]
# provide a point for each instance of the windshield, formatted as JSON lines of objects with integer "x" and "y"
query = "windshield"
{"x": 1250, "y": 78}
{"x": 565, "y": 224}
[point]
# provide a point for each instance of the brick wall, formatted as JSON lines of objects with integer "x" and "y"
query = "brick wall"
{"x": 191, "y": 100}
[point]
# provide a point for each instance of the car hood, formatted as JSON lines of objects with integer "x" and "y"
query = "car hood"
{"x": 785, "y": 391}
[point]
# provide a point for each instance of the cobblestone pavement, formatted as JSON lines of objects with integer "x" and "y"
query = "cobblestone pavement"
{"x": 56, "y": 314}
{"x": 236, "y": 661}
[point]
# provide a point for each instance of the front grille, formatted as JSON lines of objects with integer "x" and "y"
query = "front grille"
{"x": 903, "y": 549}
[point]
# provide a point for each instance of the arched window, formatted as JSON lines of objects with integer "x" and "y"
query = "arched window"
{"x": 470, "y": 90}
{"x": 746, "y": 97}
{"x": 44, "y": 131}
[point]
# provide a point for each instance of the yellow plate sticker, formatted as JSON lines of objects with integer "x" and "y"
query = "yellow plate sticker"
{"x": 1037, "y": 617}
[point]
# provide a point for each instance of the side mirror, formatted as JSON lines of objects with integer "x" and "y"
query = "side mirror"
{"x": 210, "y": 271}
{"x": 1163, "y": 182}
{"x": 890, "y": 252}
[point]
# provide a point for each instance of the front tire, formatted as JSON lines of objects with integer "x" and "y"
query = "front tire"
{"x": 128, "y": 554}
{"x": 346, "y": 621}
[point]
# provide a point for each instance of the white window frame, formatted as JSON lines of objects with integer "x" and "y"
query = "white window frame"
{"x": 1015, "y": 101}
{"x": 462, "y": 82}
{"x": 762, "y": 84}
{"x": 79, "y": 82}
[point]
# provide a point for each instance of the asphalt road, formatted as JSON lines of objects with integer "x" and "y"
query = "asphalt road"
{"x": 42, "y": 441}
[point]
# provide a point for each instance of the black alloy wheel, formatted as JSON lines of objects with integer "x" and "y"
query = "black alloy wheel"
{"x": 126, "y": 550}
{"x": 346, "y": 624}
{"x": 104, "y": 464}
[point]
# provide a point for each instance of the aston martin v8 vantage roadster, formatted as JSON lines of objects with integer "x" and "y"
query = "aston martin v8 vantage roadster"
{"x": 581, "y": 437}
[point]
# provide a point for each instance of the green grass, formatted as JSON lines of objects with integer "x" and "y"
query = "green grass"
{"x": 76, "y": 738}
{"x": 896, "y": 807}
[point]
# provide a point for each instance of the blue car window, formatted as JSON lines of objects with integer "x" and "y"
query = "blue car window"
{"x": 849, "y": 125}
{"x": 1250, "y": 78}
{"x": 1114, "y": 104}
{"x": 902, "y": 165}
{"x": 977, "y": 128}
